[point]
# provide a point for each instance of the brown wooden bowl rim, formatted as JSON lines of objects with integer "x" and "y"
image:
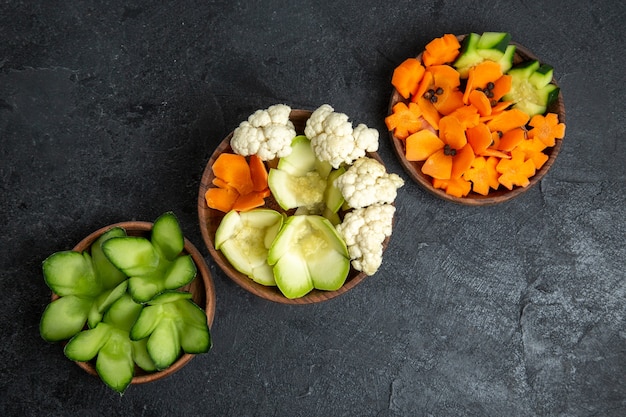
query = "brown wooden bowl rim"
{"x": 501, "y": 195}
{"x": 208, "y": 225}
{"x": 203, "y": 280}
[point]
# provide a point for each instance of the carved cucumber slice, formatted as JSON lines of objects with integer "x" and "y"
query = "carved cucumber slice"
{"x": 64, "y": 317}
{"x": 107, "y": 273}
{"x": 135, "y": 256}
{"x": 167, "y": 236}
{"x": 531, "y": 89}
{"x": 71, "y": 273}
{"x": 172, "y": 324}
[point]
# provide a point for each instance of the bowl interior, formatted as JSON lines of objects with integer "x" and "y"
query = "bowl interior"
{"x": 502, "y": 194}
{"x": 201, "y": 288}
{"x": 210, "y": 219}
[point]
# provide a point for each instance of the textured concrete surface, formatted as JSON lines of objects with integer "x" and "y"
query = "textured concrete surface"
{"x": 109, "y": 111}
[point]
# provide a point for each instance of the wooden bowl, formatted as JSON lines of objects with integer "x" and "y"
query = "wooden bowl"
{"x": 210, "y": 220}
{"x": 502, "y": 194}
{"x": 201, "y": 288}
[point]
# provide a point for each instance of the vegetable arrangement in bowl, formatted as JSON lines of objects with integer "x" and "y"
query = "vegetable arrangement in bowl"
{"x": 132, "y": 302}
{"x": 296, "y": 206}
{"x": 476, "y": 119}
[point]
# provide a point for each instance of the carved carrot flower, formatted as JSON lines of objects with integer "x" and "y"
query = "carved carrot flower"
{"x": 404, "y": 120}
{"x": 546, "y": 128}
{"x": 515, "y": 171}
{"x": 483, "y": 174}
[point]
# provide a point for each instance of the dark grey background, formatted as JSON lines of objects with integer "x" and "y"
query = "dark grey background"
{"x": 109, "y": 111}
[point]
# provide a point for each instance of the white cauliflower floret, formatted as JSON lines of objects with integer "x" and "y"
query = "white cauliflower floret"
{"x": 367, "y": 182}
{"x": 267, "y": 133}
{"x": 364, "y": 231}
{"x": 334, "y": 140}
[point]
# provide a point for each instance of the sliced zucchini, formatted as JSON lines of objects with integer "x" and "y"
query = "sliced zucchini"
{"x": 294, "y": 191}
{"x": 244, "y": 239}
{"x": 146, "y": 322}
{"x": 301, "y": 159}
{"x": 143, "y": 287}
{"x": 113, "y": 352}
{"x": 308, "y": 253}
{"x": 292, "y": 275}
{"x": 332, "y": 195}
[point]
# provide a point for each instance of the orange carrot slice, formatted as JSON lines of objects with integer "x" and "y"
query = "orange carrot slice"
{"x": 420, "y": 145}
{"x": 221, "y": 199}
{"x": 547, "y": 128}
{"x": 407, "y": 76}
{"x": 501, "y": 86}
{"x": 507, "y": 120}
{"x": 258, "y": 173}
{"x": 457, "y": 187}
{"x": 479, "y": 137}
{"x": 441, "y": 184}
{"x": 511, "y": 139}
{"x": 445, "y": 76}
{"x": 441, "y": 50}
{"x": 404, "y": 119}
{"x": 515, "y": 171}
{"x": 234, "y": 169}
{"x": 467, "y": 115}
{"x": 218, "y": 182}
{"x": 438, "y": 165}
{"x": 481, "y": 75}
{"x": 449, "y": 101}
{"x": 429, "y": 112}
{"x": 441, "y": 82}
{"x": 462, "y": 161}
{"x": 500, "y": 107}
{"x": 452, "y": 132}
{"x": 533, "y": 150}
{"x": 483, "y": 174}
{"x": 496, "y": 153}
{"x": 480, "y": 100}
{"x": 249, "y": 201}
{"x": 426, "y": 83}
